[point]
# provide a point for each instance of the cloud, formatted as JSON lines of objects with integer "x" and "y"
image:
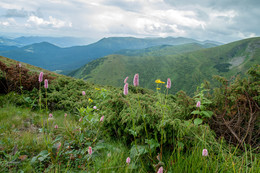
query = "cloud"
{"x": 52, "y": 22}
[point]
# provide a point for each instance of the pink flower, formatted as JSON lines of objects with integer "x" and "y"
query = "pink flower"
{"x": 65, "y": 115}
{"x": 128, "y": 160}
{"x": 102, "y": 118}
{"x": 56, "y": 126}
{"x": 136, "y": 80}
{"x": 204, "y": 152}
{"x": 198, "y": 104}
{"x": 169, "y": 83}
{"x": 20, "y": 65}
{"x": 41, "y": 77}
{"x": 160, "y": 170}
{"x": 50, "y": 115}
{"x": 83, "y": 93}
{"x": 125, "y": 81}
{"x": 80, "y": 119}
{"x": 89, "y": 150}
{"x": 46, "y": 83}
{"x": 94, "y": 107}
{"x": 126, "y": 89}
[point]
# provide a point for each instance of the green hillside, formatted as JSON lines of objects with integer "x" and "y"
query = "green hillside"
{"x": 187, "y": 70}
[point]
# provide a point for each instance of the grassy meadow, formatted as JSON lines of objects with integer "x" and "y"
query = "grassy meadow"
{"x": 75, "y": 126}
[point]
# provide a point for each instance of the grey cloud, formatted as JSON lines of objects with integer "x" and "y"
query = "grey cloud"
{"x": 21, "y": 13}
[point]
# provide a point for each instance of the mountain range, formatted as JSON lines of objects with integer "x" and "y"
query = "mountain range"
{"x": 52, "y": 57}
{"x": 187, "y": 69}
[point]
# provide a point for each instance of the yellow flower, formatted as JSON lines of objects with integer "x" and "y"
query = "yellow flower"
{"x": 158, "y": 88}
{"x": 90, "y": 100}
{"x": 97, "y": 89}
{"x": 159, "y": 81}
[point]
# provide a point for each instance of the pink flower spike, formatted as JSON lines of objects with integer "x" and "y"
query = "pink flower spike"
{"x": 80, "y": 119}
{"x": 125, "y": 81}
{"x": 136, "y": 80}
{"x": 50, "y": 115}
{"x": 65, "y": 115}
{"x": 169, "y": 83}
{"x": 94, "y": 107}
{"x": 46, "y": 83}
{"x": 160, "y": 170}
{"x": 102, "y": 118}
{"x": 83, "y": 93}
{"x": 56, "y": 126}
{"x": 20, "y": 65}
{"x": 41, "y": 77}
{"x": 126, "y": 89}
{"x": 128, "y": 160}
{"x": 205, "y": 152}
{"x": 89, "y": 150}
{"x": 198, "y": 104}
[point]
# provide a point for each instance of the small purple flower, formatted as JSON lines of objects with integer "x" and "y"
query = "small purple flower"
{"x": 89, "y": 150}
{"x": 102, "y": 118}
{"x": 205, "y": 152}
{"x": 126, "y": 89}
{"x": 83, "y": 93}
{"x": 50, "y": 115}
{"x": 160, "y": 170}
{"x": 169, "y": 83}
{"x": 56, "y": 126}
{"x": 128, "y": 160}
{"x": 136, "y": 80}
{"x": 20, "y": 65}
{"x": 94, "y": 107}
{"x": 198, "y": 104}
{"x": 125, "y": 81}
{"x": 41, "y": 77}
{"x": 46, "y": 83}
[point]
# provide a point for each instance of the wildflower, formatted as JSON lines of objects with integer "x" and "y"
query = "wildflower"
{"x": 56, "y": 126}
{"x": 102, "y": 118}
{"x": 20, "y": 65}
{"x": 90, "y": 100}
{"x": 128, "y": 160}
{"x": 198, "y": 104}
{"x": 50, "y": 115}
{"x": 83, "y": 93}
{"x": 80, "y": 119}
{"x": 204, "y": 152}
{"x": 41, "y": 77}
{"x": 160, "y": 170}
{"x": 136, "y": 79}
{"x": 169, "y": 83}
{"x": 125, "y": 81}
{"x": 89, "y": 150}
{"x": 94, "y": 107}
{"x": 126, "y": 89}
{"x": 159, "y": 81}
{"x": 158, "y": 88}
{"x": 97, "y": 89}
{"x": 46, "y": 83}
{"x": 65, "y": 115}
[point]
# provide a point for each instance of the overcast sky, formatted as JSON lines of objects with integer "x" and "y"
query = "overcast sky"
{"x": 219, "y": 20}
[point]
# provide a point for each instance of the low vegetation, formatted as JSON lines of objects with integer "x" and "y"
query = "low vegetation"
{"x": 75, "y": 126}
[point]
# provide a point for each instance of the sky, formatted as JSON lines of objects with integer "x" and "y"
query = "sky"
{"x": 219, "y": 20}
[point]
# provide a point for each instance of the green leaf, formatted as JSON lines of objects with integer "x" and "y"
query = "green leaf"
{"x": 196, "y": 112}
{"x": 207, "y": 113}
{"x": 153, "y": 143}
{"x": 198, "y": 121}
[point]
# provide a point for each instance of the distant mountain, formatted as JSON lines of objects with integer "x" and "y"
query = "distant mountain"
{"x": 58, "y": 41}
{"x": 53, "y": 58}
{"x": 186, "y": 69}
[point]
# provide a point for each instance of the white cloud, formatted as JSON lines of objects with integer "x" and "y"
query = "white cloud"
{"x": 52, "y": 22}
